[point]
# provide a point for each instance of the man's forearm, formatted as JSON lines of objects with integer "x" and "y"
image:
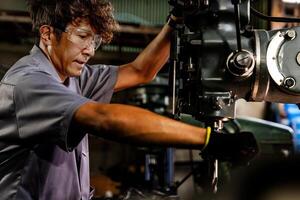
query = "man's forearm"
{"x": 128, "y": 124}
{"x": 155, "y": 55}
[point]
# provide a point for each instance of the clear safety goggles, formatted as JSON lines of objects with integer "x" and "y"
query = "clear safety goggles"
{"x": 83, "y": 38}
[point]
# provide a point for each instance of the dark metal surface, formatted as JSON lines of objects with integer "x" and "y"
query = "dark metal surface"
{"x": 213, "y": 73}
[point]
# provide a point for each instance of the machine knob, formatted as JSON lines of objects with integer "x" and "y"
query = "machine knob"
{"x": 240, "y": 63}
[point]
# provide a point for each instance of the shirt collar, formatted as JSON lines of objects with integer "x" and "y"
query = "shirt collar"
{"x": 44, "y": 62}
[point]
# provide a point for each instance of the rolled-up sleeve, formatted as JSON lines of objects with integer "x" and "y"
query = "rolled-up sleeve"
{"x": 44, "y": 110}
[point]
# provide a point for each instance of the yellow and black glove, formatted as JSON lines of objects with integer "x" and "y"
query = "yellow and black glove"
{"x": 238, "y": 148}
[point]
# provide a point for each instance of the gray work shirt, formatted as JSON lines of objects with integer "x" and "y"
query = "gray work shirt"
{"x": 43, "y": 155}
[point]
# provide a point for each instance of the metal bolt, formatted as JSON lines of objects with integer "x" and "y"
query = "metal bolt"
{"x": 289, "y": 82}
{"x": 290, "y": 34}
{"x": 243, "y": 60}
{"x": 298, "y": 58}
{"x": 206, "y": 2}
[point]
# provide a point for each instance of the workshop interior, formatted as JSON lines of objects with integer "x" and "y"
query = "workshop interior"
{"x": 234, "y": 66}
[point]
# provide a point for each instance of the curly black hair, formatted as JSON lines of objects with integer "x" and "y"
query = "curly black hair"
{"x": 60, "y": 13}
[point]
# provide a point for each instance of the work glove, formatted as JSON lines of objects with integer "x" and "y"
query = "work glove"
{"x": 239, "y": 148}
{"x": 175, "y": 17}
{"x": 176, "y": 12}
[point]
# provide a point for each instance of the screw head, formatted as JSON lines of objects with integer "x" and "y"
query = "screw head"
{"x": 289, "y": 82}
{"x": 290, "y": 34}
{"x": 298, "y": 58}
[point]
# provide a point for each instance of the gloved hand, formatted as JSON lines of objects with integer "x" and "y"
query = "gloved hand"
{"x": 238, "y": 148}
{"x": 175, "y": 17}
{"x": 176, "y": 12}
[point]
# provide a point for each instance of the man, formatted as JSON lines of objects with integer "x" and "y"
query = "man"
{"x": 51, "y": 98}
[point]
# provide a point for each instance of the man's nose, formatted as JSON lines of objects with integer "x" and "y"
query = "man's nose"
{"x": 89, "y": 50}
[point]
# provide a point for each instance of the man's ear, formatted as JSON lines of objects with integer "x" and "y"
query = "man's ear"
{"x": 45, "y": 34}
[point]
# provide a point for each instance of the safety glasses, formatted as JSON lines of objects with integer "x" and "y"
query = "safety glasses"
{"x": 83, "y": 38}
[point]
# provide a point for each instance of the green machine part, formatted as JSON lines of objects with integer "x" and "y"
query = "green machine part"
{"x": 273, "y": 139}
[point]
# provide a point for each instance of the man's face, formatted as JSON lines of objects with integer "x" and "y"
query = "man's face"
{"x": 71, "y": 52}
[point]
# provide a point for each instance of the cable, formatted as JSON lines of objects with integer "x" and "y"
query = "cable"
{"x": 237, "y": 25}
{"x": 274, "y": 19}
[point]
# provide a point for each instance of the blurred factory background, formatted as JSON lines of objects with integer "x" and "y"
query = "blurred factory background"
{"x": 112, "y": 164}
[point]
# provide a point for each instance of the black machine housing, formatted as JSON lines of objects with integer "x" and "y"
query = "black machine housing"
{"x": 217, "y": 58}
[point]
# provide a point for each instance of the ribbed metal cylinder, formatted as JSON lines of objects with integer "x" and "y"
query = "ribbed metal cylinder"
{"x": 144, "y": 12}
